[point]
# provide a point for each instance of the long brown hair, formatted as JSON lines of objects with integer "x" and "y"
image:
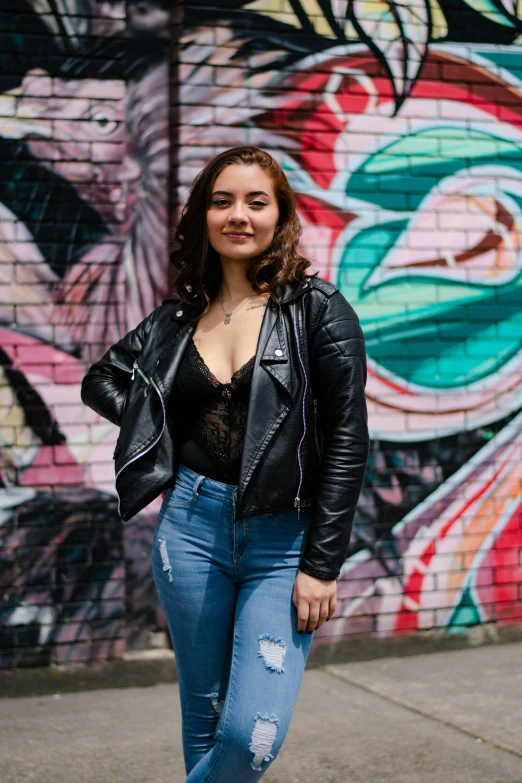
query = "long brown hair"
{"x": 195, "y": 273}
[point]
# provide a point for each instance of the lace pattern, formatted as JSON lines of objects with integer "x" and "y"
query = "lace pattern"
{"x": 214, "y": 413}
{"x": 237, "y": 378}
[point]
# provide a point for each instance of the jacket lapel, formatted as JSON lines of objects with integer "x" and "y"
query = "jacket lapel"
{"x": 274, "y": 350}
{"x": 166, "y": 345}
{"x": 275, "y": 380}
{"x": 274, "y": 386}
{"x": 171, "y": 355}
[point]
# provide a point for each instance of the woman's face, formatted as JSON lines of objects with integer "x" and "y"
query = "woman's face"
{"x": 243, "y": 212}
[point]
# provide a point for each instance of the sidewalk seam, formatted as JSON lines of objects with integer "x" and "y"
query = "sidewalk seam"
{"x": 405, "y": 705}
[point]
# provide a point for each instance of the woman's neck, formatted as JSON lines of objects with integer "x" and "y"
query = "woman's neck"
{"x": 234, "y": 285}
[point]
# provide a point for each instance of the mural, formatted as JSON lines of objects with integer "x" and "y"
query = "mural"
{"x": 399, "y": 127}
{"x": 83, "y": 235}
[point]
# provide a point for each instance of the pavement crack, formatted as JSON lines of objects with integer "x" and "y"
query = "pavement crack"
{"x": 417, "y": 711}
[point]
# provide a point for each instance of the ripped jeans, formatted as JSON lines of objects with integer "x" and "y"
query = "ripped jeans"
{"x": 226, "y": 590}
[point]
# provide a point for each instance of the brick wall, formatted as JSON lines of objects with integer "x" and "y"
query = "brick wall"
{"x": 84, "y": 144}
{"x": 399, "y": 129}
{"x": 400, "y": 134}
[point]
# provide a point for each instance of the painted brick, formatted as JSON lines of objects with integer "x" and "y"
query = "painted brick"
{"x": 406, "y": 205}
{"x": 506, "y": 576}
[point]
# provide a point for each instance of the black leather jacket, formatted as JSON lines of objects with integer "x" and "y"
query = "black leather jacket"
{"x": 306, "y": 438}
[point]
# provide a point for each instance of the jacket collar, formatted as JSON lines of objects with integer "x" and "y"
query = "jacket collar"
{"x": 285, "y": 293}
{"x": 273, "y": 344}
{"x": 276, "y": 380}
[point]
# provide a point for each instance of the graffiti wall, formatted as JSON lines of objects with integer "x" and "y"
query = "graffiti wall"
{"x": 399, "y": 127}
{"x": 83, "y": 233}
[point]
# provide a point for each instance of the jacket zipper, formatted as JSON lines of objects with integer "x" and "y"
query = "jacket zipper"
{"x": 315, "y": 424}
{"x": 148, "y": 381}
{"x": 137, "y": 368}
{"x": 297, "y": 501}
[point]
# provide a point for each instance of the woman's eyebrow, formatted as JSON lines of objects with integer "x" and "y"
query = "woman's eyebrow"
{"x": 252, "y": 193}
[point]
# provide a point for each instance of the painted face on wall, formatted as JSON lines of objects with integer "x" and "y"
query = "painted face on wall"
{"x": 110, "y": 144}
{"x": 77, "y": 127}
{"x": 243, "y": 213}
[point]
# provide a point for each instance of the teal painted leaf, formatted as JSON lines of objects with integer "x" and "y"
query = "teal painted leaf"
{"x": 502, "y": 12}
{"x": 438, "y": 283}
{"x": 466, "y": 613}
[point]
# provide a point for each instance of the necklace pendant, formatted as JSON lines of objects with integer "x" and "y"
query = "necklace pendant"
{"x": 227, "y": 319}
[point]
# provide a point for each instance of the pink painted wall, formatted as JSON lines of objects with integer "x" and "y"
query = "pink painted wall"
{"x": 400, "y": 134}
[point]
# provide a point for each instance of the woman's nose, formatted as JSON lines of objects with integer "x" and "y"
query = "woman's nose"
{"x": 237, "y": 214}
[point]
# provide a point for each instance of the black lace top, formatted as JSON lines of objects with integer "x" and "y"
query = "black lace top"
{"x": 211, "y": 417}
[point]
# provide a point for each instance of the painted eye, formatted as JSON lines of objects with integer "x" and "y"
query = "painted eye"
{"x": 106, "y": 124}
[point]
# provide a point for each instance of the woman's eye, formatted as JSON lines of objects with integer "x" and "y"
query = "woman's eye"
{"x": 258, "y": 204}
{"x": 220, "y": 202}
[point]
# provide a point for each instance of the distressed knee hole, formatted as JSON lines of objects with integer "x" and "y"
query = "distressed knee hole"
{"x": 272, "y": 649}
{"x": 263, "y": 737}
{"x": 218, "y": 707}
{"x": 165, "y": 558}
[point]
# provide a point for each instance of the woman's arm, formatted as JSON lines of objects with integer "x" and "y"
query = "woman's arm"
{"x": 104, "y": 388}
{"x": 338, "y": 366}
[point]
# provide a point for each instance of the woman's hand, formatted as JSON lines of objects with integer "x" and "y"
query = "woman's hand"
{"x": 315, "y": 601}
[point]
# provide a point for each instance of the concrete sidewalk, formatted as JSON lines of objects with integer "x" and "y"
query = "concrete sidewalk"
{"x": 450, "y": 717}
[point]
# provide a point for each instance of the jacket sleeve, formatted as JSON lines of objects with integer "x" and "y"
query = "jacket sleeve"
{"x": 104, "y": 387}
{"x": 338, "y": 368}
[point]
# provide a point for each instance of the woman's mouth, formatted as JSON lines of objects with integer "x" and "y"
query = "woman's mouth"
{"x": 236, "y": 237}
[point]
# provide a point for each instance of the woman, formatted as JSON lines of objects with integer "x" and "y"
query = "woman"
{"x": 242, "y": 396}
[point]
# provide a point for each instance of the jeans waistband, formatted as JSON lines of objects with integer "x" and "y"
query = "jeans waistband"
{"x": 198, "y": 482}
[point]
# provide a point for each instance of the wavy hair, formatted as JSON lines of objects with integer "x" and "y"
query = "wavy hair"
{"x": 195, "y": 273}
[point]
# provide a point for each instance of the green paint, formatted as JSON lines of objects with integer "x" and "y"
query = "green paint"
{"x": 465, "y": 614}
{"x": 434, "y": 330}
{"x": 510, "y": 60}
{"x": 490, "y": 11}
{"x": 399, "y": 176}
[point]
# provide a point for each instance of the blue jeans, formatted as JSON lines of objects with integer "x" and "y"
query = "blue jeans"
{"x": 226, "y": 591}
